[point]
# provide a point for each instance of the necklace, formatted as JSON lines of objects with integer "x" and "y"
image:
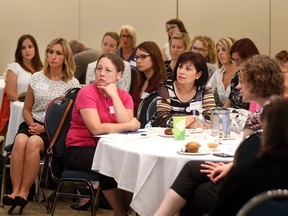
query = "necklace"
{"x": 182, "y": 95}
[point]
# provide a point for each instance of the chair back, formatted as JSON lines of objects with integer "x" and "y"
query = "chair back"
{"x": 248, "y": 148}
{"x": 268, "y": 203}
{"x": 147, "y": 110}
{"x": 53, "y": 116}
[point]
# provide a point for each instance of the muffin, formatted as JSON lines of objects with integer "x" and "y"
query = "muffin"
{"x": 192, "y": 147}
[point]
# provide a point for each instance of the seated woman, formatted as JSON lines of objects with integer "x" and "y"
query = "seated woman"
{"x": 186, "y": 92}
{"x": 110, "y": 43}
{"x": 241, "y": 50}
{"x": 221, "y": 79}
{"x": 179, "y": 43}
{"x": 151, "y": 72}
{"x": 27, "y": 61}
{"x": 31, "y": 139}
{"x": 206, "y": 47}
{"x": 269, "y": 171}
{"x": 100, "y": 108}
{"x": 196, "y": 187}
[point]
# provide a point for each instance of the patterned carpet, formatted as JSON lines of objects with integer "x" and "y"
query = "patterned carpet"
{"x": 62, "y": 208}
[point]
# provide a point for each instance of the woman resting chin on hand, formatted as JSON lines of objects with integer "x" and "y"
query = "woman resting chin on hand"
{"x": 100, "y": 108}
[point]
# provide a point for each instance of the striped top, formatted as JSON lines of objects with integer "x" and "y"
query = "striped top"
{"x": 168, "y": 103}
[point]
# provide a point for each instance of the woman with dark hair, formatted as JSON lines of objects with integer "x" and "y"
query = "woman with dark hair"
{"x": 197, "y": 186}
{"x": 241, "y": 50}
{"x": 100, "y": 108}
{"x": 151, "y": 71}
{"x": 27, "y": 62}
{"x": 186, "y": 90}
{"x": 172, "y": 26}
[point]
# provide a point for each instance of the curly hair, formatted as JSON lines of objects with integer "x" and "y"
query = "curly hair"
{"x": 209, "y": 47}
{"x": 264, "y": 75}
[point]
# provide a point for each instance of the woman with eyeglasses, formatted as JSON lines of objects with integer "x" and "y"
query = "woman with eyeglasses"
{"x": 241, "y": 50}
{"x": 186, "y": 93}
{"x": 179, "y": 43}
{"x": 172, "y": 26}
{"x": 151, "y": 71}
{"x": 221, "y": 79}
{"x": 127, "y": 44}
{"x": 196, "y": 188}
{"x": 206, "y": 47}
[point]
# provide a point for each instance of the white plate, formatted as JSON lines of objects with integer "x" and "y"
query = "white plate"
{"x": 162, "y": 134}
{"x": 196, "y": 130}
{"x": 201, "y": 152}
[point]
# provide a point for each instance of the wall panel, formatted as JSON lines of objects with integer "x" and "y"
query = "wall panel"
{"x": 147, "y": 17}
{"x": 223, "y": 18}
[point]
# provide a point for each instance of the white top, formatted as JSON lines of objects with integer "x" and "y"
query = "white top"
{"x": 167, "y": 51}
{"x": 123, "y": 83}
{"x": 23, "y": 77}
{"x": 217, "y": 85}
{"x": 45, "y": 90}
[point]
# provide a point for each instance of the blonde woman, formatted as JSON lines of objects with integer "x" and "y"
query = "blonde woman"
{"x": 221, "y": 79}
{"x": 179, "y": 43}
{"x": 31, "y": 140}
{"x": 127, "y": 44}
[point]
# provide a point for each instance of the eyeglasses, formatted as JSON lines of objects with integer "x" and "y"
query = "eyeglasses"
{"x": 142, "y": 57}
{"x": 197, "y": 49}
{"x": 237, "y": 61}
{"x": 171, "y": 27}
{"x": 128, "y": 37}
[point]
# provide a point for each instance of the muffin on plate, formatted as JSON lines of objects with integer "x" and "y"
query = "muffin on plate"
{"x": 192, "y": 147}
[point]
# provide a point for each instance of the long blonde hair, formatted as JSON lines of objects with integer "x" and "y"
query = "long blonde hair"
{"x": 68, "y": 66}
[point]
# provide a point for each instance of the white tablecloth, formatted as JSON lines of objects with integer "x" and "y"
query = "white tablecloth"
{"x": 2, "y": 86}
{"x": 15, "y": 120}
{"x": 148, "y": 165}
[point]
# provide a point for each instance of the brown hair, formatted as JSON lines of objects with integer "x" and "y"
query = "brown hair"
{"x": 275, "y": 136}
{"x": 264, "y": 75}
{"x": 159, "y": 69}
{"x": 115, "y": 59}
{"x": 245, "y": 48}
{"x": 36, "y": 61}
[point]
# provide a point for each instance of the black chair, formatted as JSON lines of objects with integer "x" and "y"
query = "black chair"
{"x": 67, "y": 177}
{"x": 268, "y": 203}
{"x": 147, "y": 110}
{"x": 248, "y": 148}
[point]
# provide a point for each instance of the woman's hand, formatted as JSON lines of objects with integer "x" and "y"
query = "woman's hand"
{"x": 36, "y": 128}
{"x": 209, "y": 167}
{"x": 135, "y": 124}
{"x": 110, "y": 89}
{"x": 220, "y": 172}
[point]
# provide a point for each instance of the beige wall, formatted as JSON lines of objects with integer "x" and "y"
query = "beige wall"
{"x": 264, "y": 21}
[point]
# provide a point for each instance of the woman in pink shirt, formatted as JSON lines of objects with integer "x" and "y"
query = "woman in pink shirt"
{"x": 100, "y": 108}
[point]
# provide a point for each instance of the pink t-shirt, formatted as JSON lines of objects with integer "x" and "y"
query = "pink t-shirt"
{"x": 90, "y": 97}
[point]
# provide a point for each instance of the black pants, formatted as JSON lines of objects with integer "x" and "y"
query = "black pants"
{"x": 81, "y": 158}
{"x": 196, "y": 188}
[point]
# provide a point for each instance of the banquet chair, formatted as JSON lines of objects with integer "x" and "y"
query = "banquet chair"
{"x": 268, "y": 203}
{"x": 52, "y": 119}
{"x": 147, "y": 110}
{"x": 248, "y": 148}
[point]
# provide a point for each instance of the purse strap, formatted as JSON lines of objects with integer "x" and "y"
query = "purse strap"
{"x": 59, "y": 126}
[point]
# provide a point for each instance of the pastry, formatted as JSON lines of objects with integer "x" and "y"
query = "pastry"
{"x": 192, "y": 147}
